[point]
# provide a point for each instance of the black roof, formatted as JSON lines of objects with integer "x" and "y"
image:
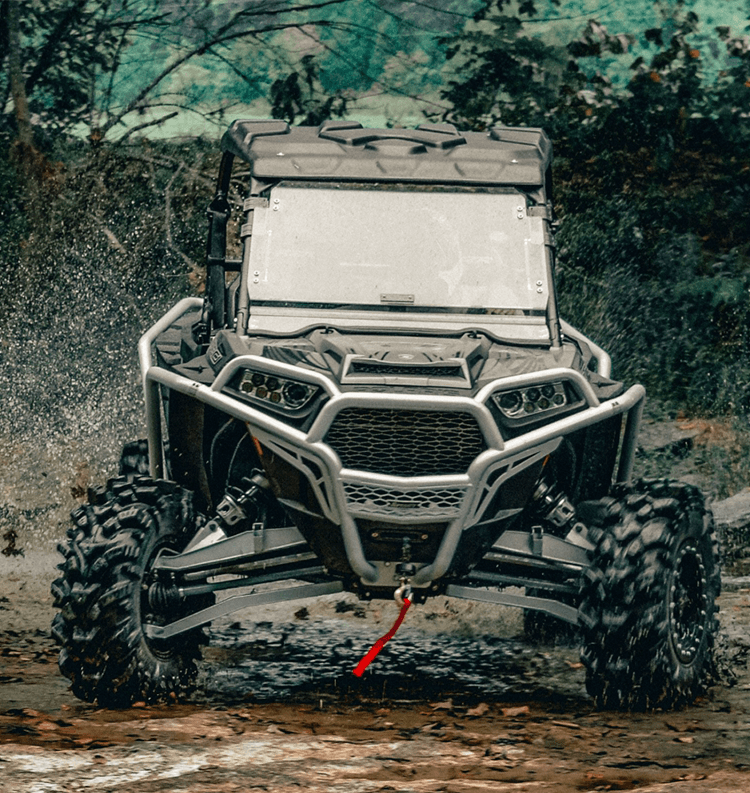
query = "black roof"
{"x": 431, "y": 153}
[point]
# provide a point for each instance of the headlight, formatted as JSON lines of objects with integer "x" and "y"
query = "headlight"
{"x": 524, "y": 402}
{"x": 518, "y": 408}
{"x": 273, "y": 390}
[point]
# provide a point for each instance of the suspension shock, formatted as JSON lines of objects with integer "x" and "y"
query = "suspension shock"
{"x": 554, "y": 507}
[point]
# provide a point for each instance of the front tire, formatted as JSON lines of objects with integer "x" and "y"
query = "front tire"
{"x": 649, "y": 600}
{"x": 134, "y": 459}
{"x": 102, "y": 595}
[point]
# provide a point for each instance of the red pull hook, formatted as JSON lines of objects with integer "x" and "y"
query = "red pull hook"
{"x": 383, "y": 640}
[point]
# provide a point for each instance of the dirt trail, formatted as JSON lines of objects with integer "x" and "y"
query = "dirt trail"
{"x": 457, "y": 703}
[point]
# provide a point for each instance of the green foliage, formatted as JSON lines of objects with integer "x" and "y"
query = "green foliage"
{"x": 65, "y": 44}
{"x": 300, "y": 97}
{"x": 653, "y": 187}
{"x": 728, "y": 463}
{"x": 653, "y": 176}
{"x": 125, "y": 222}
{"x": 670, "y": 315}
{"x": 115, "y": 67}
{"x": 502, "y": 73}
{"x": 14, "y": 228}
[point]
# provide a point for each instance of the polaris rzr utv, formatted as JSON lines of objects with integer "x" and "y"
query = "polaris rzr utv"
{"x": 377, "y": 396}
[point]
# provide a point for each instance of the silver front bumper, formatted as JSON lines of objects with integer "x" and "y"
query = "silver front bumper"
{"x": 345, "y": 495}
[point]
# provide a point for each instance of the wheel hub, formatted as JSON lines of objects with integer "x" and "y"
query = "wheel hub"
{"x": 687, "y": 604}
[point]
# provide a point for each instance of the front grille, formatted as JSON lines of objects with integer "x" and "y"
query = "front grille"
{"x": 436, "y": 503}
{"x": 405, "y": 442}
{"x": 405, "y": 370}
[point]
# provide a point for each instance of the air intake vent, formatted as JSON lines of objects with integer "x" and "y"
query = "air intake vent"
{"x": 406, "y": 442}
{"x": 450, "y": 373}
{"x": 380, "y": 502}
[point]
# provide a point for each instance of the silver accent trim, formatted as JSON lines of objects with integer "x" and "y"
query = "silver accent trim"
{"x": 580, "y": 384}
{"x": 553, "y": 548}
{"x": 305, "y": 449}
{"x": 484, "y": 493}
{"x": 236, "y": 602}
{"x": 560, "y": 610}
{"x": 604, "y": 362}
{"x": 150, "y": 388}
{"x": 404, "y": 505}
{"x": 480, "y": 412}
{"x": 630, "y": 440}
{"x": 231, "y": 549}
{"x": 424, "y": 378}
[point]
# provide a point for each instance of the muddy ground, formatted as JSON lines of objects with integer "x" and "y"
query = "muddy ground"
{"x": 457, "y": 702}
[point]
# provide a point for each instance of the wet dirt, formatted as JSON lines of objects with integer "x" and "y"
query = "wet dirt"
{"x": 458, "y": 701}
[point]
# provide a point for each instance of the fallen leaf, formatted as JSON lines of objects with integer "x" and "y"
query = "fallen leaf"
{"x": 46, "y": 726}
{"x": 571, "y": 724}
{"x": 674, "y": 727}
{"x": 522, "y": 710}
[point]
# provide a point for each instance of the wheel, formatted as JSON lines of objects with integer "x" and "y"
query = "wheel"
{"x": 648, "y": 603}
{"x": 134, "y": 459}
{"x": 102, "y": 596}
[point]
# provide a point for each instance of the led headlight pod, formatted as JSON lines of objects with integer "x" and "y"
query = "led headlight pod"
{"x": 279, "y": 391}
{"x": 296, "y": 394}
{"x": 523, "y": 402}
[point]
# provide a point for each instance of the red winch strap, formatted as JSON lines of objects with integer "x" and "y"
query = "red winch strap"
{"x": 381, "y": 642}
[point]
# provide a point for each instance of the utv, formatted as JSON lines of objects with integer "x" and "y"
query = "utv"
{"x": 377, "y": 396}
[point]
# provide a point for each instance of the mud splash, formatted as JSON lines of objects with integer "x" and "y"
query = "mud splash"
{"x": 308, "y": 660}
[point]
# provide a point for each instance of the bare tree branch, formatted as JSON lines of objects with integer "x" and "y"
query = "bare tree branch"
{"x": 392, "y": 89}
{"x": 221, "y": 37}
{"x": 47, "y": 55}
{"x": 146, "y": 124}
{"x": 122, "y": 41}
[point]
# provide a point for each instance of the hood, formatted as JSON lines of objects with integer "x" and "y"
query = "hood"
{"x": 465, "y": 362}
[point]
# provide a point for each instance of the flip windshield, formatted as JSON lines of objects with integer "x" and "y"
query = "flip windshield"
{"x": 418, "y": 251}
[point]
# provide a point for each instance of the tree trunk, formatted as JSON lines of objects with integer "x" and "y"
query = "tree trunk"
{"x": 17, "y": 83}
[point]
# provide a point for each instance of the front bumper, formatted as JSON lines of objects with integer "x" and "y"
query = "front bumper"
{"x": 347, "y": 495}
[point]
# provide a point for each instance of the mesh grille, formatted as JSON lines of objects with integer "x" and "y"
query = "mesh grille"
{"x": 411, "y": 370}
{"x": 383, "y": 502}
{"x": 405, "y": 442}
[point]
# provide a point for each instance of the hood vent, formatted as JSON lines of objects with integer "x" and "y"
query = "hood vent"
{"x": 452, "y": 372}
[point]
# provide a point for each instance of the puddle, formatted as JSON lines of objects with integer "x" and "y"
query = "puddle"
{"x": 302, "y": 660}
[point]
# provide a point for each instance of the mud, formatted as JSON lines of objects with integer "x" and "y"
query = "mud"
{"x": 456, "y": 702}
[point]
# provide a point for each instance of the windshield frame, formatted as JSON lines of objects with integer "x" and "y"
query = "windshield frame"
{"x": 305, "y": 220}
